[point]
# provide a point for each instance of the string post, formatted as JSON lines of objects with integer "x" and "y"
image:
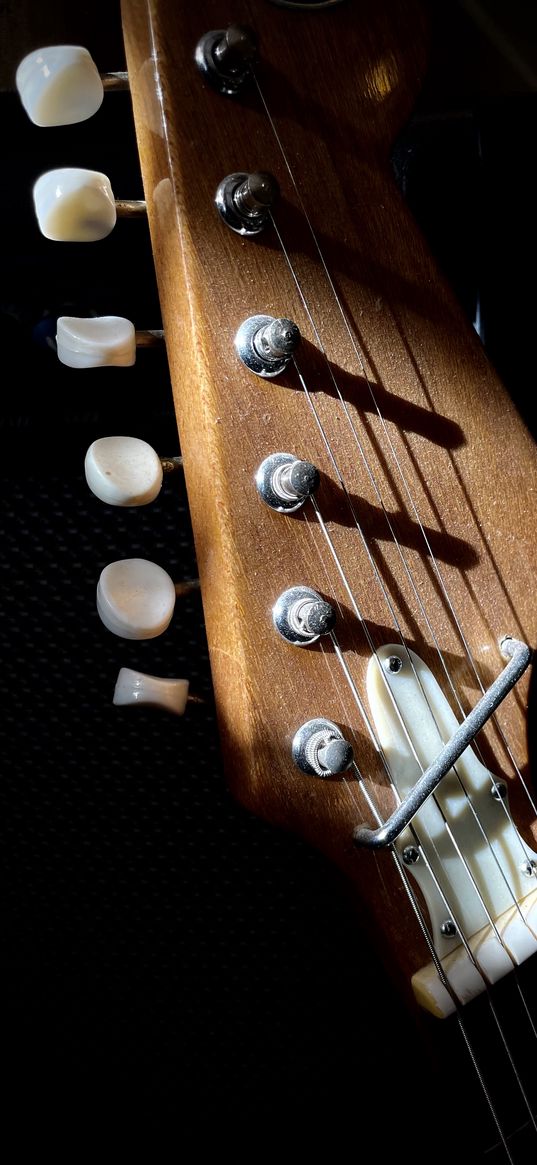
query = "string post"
{"x": 225, "y": 58}
{"x": 244, "y": 201}
{"x": 285, "y": 483}
{"x": 320, "y": 749}
{"x": 301, "y": 616}
{"x": 266, "y": 344}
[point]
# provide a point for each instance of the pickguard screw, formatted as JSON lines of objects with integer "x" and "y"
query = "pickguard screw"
{"x": 448, "y": 928}
{"x": 393, "y": 664}
{"x": 528, "y": 868}
{"x": 499, "y": 791}
{"x": 410, "y": 855}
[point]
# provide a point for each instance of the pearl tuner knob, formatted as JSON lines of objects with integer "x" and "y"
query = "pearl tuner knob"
{"x": 123, "y": 471}
{"x": 101, "y": 341}
{"x": 78, "y": 206}
{"x": 135, "y": 598}
{"x": 94, "y": 342}
{"x": 135, "y": 687}
{"x": 61, "y": 85}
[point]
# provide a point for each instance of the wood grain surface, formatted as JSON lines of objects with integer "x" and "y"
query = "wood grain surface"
{"x": 421, "y": 427}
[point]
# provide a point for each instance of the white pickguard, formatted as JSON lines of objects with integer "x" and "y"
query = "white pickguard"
{"x": 477, "y": 859}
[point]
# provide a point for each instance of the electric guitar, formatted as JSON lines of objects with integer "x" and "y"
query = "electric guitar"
{"x": 361, "y": 491}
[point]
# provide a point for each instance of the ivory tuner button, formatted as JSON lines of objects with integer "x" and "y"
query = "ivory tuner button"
{"x": 123, "y": 471}
{"x": 135, "y": 687}
{"x": 95, "y": 342}
{"x": 74, "y": 206}
{"x": 59, "y": 85}
{"x": 135, "y": 598}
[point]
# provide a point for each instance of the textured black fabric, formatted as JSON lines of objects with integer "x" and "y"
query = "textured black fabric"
{"x": 171, "y": 963}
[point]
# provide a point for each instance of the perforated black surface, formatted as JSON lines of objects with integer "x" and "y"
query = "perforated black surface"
{"x": 168, "y": 958}
{"x": 170, "y": 961}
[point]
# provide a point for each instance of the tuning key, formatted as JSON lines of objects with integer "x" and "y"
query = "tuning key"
{"x": 245, "y": 201}
{"x": 135, "y": 687}
{"x": 136, "y": 598}
{"x": 301, "y": 616}
{"x": 320, "y": 749}
{"x": 266, "y": 344}
{"x": 61, "y": 85}
{"x": 78, "y": 206}
{"x": 285, "y": 483}
{"x": 126, "y": 471}
{"x": 225, "y": 57}
{"x": 99, "y": 341}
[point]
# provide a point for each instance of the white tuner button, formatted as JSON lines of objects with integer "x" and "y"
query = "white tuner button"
{"x": 96, "y": 341}
{"x": 74, "y": 206}
{"x": 123, "y": 471}
{"x": 59, "y": 85}
{"x": 134, "y": 687}
{"x": 135, "y": 598}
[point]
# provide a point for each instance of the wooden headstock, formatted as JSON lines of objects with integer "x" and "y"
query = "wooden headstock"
{"x": 401, "y": 404}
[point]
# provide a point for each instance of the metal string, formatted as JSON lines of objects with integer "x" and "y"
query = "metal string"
{"x": 402, "y": 556}
{"x": 435, "y": 958}
{"x": 399, "y": 467}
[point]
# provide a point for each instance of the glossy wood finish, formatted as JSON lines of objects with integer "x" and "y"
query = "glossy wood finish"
{"x": 338, "y": 85}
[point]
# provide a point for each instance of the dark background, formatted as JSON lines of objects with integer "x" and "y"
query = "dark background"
{"x": 174, "y": 965}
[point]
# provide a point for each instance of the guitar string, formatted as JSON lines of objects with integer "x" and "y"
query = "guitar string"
{"x": 399, "y": 467}
{"x": 449, "y": 908}
{"x": 519, "y": 840}
{"x": 376, "y": 742}
{"x": 339, "y": 394}
{"x": 444, "y": 979}
{"x": 390, "y": 607}
{"x": 435, "y": 958}
{"x": 440, "y": 891}
{"x": 396, "y": 623}
{"x": 446, "y": 824}
{"x": 504, "y": 807}
{"x": 470, "y": 1050}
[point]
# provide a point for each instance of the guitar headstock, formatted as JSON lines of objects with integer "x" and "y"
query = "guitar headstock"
{"x": 388, "y": 395}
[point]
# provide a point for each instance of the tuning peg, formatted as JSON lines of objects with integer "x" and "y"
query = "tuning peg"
{"x": 225, "y": 57}
{"x": 126, "y": 471}
{"x": 78, "y": 206}
{"x": 135, "y": 687}
{"x": 136, "y": 598}
{"x": 320, "y": 749}
{"x": 61, "y": 85}
{"x": 98, "y": 341}
{"x": 245, "y": 201}
{"x": 266, "y": 345}
{"x": 285, "y": 483}
{"x": 301, "y": 616}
